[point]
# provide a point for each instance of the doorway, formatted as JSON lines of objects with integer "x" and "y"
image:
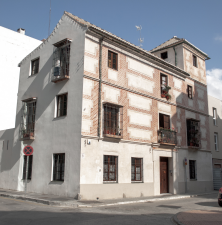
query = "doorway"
{"x": 164, "y": 175}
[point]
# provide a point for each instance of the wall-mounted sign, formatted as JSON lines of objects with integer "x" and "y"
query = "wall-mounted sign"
{"x": 185, "y": 161}
{"x": 28, "y": 150}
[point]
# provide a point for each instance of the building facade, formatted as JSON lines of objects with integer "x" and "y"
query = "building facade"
{"x": 215, "y": 124}
{"x": 14, "y": 47}
{"x": 108, "y": 119}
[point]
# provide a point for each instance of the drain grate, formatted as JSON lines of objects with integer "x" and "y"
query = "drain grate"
{"x": 169, "y": 206}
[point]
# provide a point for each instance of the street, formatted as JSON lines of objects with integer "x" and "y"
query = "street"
{"x": 16, "y": 212}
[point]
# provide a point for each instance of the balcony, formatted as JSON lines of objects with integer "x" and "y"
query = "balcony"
{"x": 168, "y": 137}
{"x": 27, "y": 135}
{"x": 112, "y": 132}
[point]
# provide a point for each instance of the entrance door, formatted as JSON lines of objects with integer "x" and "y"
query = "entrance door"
{"x": 163, "y": 175}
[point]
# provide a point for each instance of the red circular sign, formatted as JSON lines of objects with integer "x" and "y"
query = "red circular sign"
{"x": 28, "y": 150}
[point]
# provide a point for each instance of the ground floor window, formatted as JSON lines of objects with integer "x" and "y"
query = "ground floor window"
{"x": 136, "y": 169}
{"x": 58, "y": 167}
{"x": 29, "y": 167}
{"x": 192, "y": 165}
{"x": 110, "y": 168}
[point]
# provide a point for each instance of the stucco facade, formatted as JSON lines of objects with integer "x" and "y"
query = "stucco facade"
{"x": 134, "y": 86}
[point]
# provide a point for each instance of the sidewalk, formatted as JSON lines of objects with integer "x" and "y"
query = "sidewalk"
{"x": 198, "y": 217}
{"x": 71, "y": 202}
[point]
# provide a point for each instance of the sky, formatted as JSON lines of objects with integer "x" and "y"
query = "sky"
{"x": 198, "y": 21}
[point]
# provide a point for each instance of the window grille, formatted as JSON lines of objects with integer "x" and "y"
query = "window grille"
{"x": 61, "y": 60}
{"x": 113, "y": 121}
{"x": 163, "y": 83}
{"x": 112, "y": 60}
{"x": 29, "y": 177}
{"x": 136, "y": 169}
{"x": 192, "y": 165}
{"x": 193, "y": 133}
{"x": 194, "y": 61}
{"x": 58, "y": 167}
{"x": 35, "y": 66}
{"x": 62, "y": 105}
{"x": 190, "y": 93}
{"x": 110, "y": 168}
{"x": 27, "y": 126}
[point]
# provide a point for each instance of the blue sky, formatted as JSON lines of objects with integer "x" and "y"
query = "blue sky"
{"x": 198, "y": 21}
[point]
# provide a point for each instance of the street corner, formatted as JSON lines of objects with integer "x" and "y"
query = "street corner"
{"x": 198, "y": 217}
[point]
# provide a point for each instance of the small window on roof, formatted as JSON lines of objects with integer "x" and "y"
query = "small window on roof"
{"x": 164, "y": 55}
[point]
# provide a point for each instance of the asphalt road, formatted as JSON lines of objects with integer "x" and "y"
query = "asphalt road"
{"x": 18, "y": 212}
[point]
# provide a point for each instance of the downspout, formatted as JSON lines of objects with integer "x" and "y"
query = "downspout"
{"x": 175, "y": 56}
{"x": 100, "y": 84}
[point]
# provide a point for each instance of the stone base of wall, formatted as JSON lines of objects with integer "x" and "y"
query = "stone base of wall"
{"x": 195, "y": 187}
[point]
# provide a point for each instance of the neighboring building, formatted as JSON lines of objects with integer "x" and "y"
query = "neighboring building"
{"x": 14, "y": 47}
{"x": 99, "y": 117}
{"x": 215, "y": 123}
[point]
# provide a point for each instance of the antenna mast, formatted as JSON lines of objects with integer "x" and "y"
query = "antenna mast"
{"x": 140, "y": 39}
{"x": 49, "y": 19}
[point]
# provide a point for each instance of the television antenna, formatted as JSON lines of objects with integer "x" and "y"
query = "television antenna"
{"x": 140, "y": 39}
{"x": 49, "y": 18}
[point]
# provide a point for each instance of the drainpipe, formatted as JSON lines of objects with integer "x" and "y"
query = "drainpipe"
{"x": 100, "y": 84}
{"x": 175, "y": 56}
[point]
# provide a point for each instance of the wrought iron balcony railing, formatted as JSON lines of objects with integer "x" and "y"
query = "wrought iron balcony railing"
{"x": 167, "y": 137}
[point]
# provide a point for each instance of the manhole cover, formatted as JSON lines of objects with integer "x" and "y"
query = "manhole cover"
{"x": 169, "y": 206}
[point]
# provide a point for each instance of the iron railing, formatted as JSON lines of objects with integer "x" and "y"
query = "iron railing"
{"x": 167, "y": 137}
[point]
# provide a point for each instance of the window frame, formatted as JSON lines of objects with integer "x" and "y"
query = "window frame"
{"x": 32, "y": 65}
{"x": 193, "y": 171}
{"x": 164, "y": 53}
{"x": 108, "y": 170}
{"x": 216, "y": 143}
{"x": 163, "y": 121}
{"x": 161, "y": 82}
{"x": 61, "y": 166}
{"x": 190, "y": 89}
{"x": 214, "y": 116}
{"x": 58, "y": 107}
{"x": 140, "y": 165}
{"x": 110, "y": 65}
{"x": 30, "y": 163}
{"x": 195, "y": 61}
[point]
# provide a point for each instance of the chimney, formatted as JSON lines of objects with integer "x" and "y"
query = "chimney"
{"x": 21, "y": 31}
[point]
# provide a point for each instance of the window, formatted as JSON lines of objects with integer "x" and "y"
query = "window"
{"x": 113, "y": 120}
{"x": 7, "y": 144}
{"x": 216, "y": 141}
{"x": 58, "y": 167}
{"x": 112, "y": 60}
{"x": 35, "y": 66}
{"x": 215, "y": 116}
{"x": 163, "y": 82}
{"x": 190, "y": 93}
{"x": 164, "y": 121}
{"x": 136, "y": 169}
{"x": 27, "y": 126}
{"x": 62, "y": 105}
{"x": 110, "y": 168}
{"x": 193, "y": 133}
{"x": 29, "y": 177}
{"x": 61, "y": 58}
{"x": 164, "y": 55}
{"x": 192, "y": 165}
{"x": 194, "y": 61}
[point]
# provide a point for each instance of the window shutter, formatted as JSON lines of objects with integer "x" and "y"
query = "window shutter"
{"x": 161, "y": 121}
{"x": 166, "y": 122}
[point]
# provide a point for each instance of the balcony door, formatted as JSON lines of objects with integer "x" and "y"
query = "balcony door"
{"x": 164, "y": 121}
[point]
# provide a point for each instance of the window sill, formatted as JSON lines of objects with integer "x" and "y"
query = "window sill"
{"x": 112, "y": 136}
{"x": 193, "y": 179}
{"x": 33, "y": 75}
{"x": 60, "y": 117}
{"x": 56, "y": 182}
{"x": 113, "y": 69}
{"x": 28, "y": 180}
{"x": 110, "y": 182}
{"x": 136, "y": 182}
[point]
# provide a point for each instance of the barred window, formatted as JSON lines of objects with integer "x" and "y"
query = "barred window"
{"x": 194, "y": 61}
{"x": 58, "y": 167}
{"x": 34, "y": 66}
{"x": 192, "y": 165}
{"x": 136, "y": 169}
{"x": 163, "y": 82}
{"x": 109, "y": 168}
{"x": 62, "y": 105}
{"x": 27, "y": 125}
{"x": 193, "y": 133}
{"x": 112, "y": 60}
{"x": 29, "y": 175}
{"x": 190, "y": 92}
{"x": 113, "y": 121}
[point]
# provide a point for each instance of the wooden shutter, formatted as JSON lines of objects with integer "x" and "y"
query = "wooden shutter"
{"x": 166, "y": 121}
{"x": 161, "y": 121}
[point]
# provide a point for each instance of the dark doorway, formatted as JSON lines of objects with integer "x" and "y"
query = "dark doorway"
{"x": 163, "y": 175}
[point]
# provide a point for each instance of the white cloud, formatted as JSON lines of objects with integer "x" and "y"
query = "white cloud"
{"x": 214, "y": 83}
{"x": 218, "y": 38}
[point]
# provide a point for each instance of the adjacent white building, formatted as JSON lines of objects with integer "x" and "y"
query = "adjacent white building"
{"x": 14, "y": 47}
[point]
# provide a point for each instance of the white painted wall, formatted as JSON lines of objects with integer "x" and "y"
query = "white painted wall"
{"x": 14, "y": 47}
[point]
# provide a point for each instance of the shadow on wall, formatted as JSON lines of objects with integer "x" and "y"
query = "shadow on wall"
{"x": 45, "y": 91}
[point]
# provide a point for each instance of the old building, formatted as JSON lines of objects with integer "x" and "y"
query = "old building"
{"x": 108, "y": 119}
{"x": 215, "y": 124}
{"x": 14, "y": 47}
